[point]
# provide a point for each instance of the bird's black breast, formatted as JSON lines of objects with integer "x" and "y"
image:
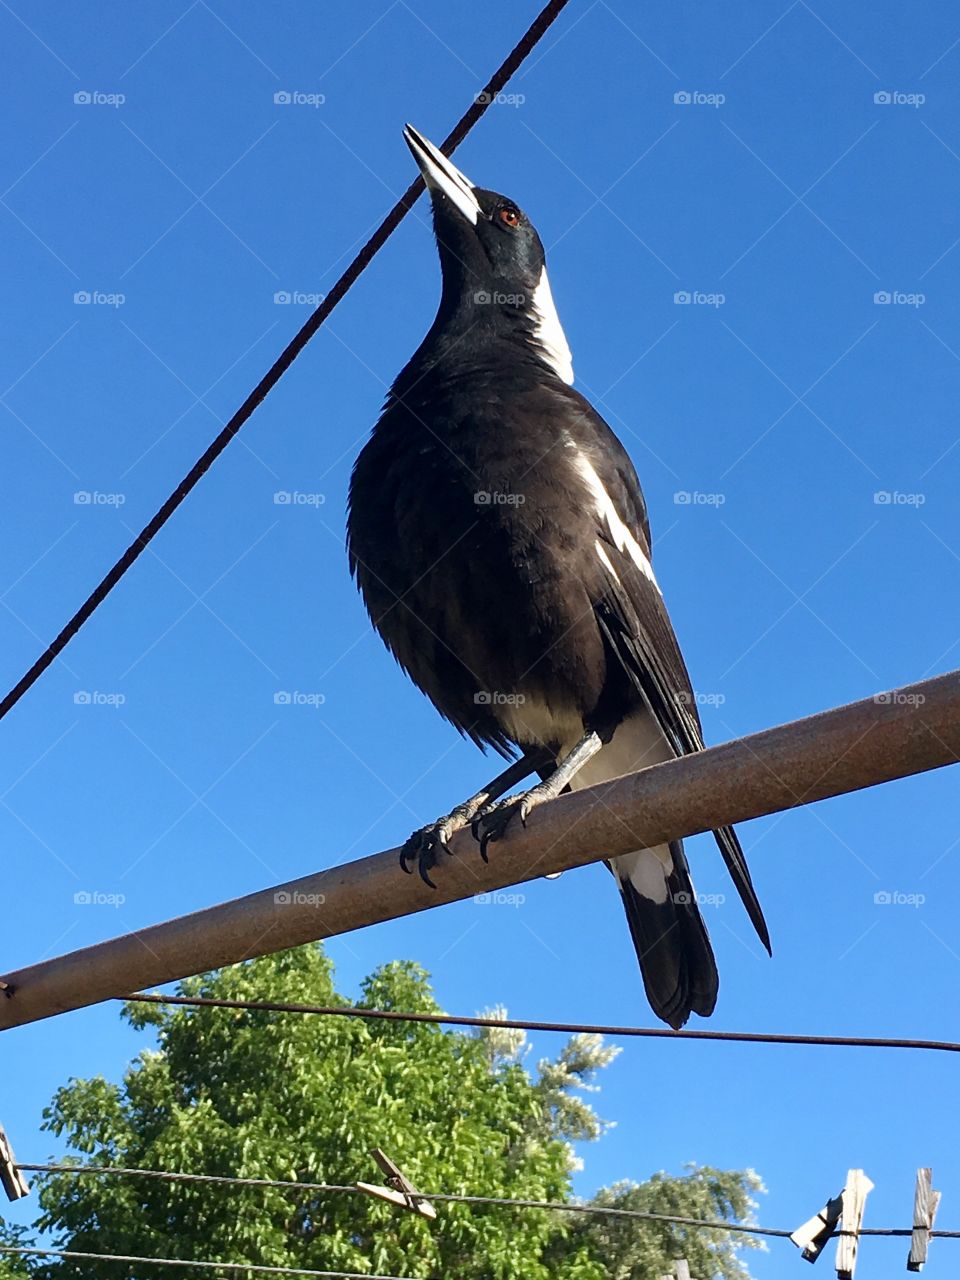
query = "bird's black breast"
{"x": 474, "y": 550}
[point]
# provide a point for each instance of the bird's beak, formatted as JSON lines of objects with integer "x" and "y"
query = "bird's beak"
{"x": 442, "y": 176}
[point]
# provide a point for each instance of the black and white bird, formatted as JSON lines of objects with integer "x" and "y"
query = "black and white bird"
{"x": 499, "y": 537}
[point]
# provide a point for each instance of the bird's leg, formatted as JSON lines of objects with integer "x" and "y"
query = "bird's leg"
{"x": 492, "y": 824}
{"x": 424, "y": 844}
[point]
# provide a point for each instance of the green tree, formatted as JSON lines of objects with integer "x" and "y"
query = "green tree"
{"x": 260, "y": 1095}
{"x": 13, "y": 1266}
{"x": 711, "y": 1195}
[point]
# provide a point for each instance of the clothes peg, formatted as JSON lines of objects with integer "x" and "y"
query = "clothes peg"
{"x": 399, "y": 1190}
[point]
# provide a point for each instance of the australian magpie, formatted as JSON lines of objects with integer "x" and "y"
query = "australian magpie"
{"x": 499, "y": 538}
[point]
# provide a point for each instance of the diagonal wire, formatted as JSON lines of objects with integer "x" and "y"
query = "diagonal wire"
{"x": 283, "y": 362}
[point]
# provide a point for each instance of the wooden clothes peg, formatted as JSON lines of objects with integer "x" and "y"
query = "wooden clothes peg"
{"x": 399, "y": 1190}
{"x": 11, "y": 1179}
{"x": 926, "y": 1201}
{"x": 813, "y": 1235}
{"x": 854, "y": 1198}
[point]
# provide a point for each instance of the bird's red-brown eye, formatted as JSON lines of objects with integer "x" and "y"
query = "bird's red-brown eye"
{"x": 510, "y": 216}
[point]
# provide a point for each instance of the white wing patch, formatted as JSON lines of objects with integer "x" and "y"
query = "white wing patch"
{"x": 605, "y": 561}
{"x": 548, "y": 331}
{"x": 622, "y": 537}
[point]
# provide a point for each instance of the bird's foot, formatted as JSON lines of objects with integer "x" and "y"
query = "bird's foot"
{"x": 423, "y": 847}
{"x": 491, "y": 822}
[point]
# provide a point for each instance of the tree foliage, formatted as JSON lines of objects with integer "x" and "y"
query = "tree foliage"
{"x": 253, "y": 1094}
{"x": 710, "y": 1195}
{"x": 13, "y": 1266}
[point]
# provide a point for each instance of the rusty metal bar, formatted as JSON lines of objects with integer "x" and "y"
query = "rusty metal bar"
{"x": 891, "y": 735}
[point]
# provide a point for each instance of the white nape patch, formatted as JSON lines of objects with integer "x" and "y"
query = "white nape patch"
{"x": 548, "y": 332}
{"x": 638, "y": 742}
{"x": 622, "y": 537}
{"x": 605, "y": 561}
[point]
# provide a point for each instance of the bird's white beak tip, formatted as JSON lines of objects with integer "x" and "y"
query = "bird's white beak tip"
{"x": 441, "y": 174}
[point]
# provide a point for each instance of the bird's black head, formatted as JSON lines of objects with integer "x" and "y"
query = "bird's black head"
{"x": 493, "y": 263}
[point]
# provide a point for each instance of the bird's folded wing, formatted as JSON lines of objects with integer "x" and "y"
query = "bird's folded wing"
{"x": 637, "y": 628}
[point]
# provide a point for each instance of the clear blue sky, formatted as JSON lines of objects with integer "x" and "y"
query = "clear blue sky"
{"x": 797, "y": 399}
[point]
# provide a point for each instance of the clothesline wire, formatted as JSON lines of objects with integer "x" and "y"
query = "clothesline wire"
{"x": 233, "y": 1267}
{"x": 570, "y": 1028}
{"x": 609, "y": 1211}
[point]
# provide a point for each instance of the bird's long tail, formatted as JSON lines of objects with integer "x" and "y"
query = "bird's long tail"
{"x": 670, "y": 938}
{"x": 668, "y": 932}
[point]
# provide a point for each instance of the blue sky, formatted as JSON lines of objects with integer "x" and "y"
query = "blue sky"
{"x": 788, "y": 200}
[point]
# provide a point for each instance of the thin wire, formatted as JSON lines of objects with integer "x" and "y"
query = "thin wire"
{"x": 576, "y": 1028}
{"x": 500, "y": 1201}
{"x": 283, "y": 362}
{"x": 166, "y": 1175}
{"x": 187, "y": 1262}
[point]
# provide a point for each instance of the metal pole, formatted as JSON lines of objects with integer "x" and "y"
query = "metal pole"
{"x": 890, "y": 735}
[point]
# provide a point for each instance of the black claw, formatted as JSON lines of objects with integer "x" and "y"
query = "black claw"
{"x": 492, "y": 824}
{"x": 482, "y": 829}
{"x": 421, "y": 848}
{"x": 424, "y": 845}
